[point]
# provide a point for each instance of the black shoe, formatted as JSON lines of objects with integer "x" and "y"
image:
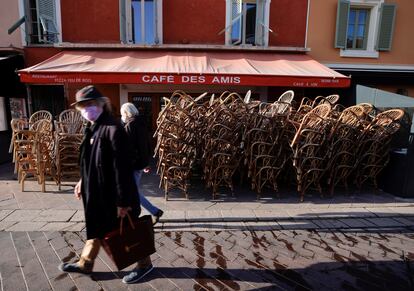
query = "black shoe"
{"x": 158, "y": 216}
{"x": 137, "y": 275}
{"x": 73, "y": 268}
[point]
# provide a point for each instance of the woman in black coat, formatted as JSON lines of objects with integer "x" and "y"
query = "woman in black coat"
{"x": 107, "y": 186}
{"x": 136, "y": 129}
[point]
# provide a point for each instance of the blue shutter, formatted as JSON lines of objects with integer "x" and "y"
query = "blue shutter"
{"x": 386, "y": 27}
{"x": 342, "y": 23}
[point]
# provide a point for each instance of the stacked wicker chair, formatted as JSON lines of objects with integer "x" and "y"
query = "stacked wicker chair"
{"x": 68, "y": 137}
{"x": 341, "y": 156}
{"x": 265, "y": 142}
{"x": 374, "y": 145}
{"x": 32, "y": 147}
{"x": 176, "y": 142}
{"x": 325, "y": 142}
{"x": 225, "y": 121}
{"x": 309, "y": 146}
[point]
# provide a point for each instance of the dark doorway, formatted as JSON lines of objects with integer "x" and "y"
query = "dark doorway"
{"x": 50, "y": 98}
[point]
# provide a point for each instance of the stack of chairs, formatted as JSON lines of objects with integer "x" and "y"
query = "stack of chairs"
{"x": 222, "y": 152}
{"x": 176, "y": 142}
{"x": 309, "y": 146}
{"x": 265, "y": 142}
{"x": 374, "y": 145}
{"x": 341, "y": 156}
{"x": 68, "y": 138}
{"x": 32, "y": 148}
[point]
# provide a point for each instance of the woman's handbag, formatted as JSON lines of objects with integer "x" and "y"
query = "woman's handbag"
{"x": 129, "y": 244}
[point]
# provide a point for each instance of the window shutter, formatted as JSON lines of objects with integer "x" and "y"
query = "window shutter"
{"x": 46, "y": 13}
{"x": 342, "y": 23}
{"x": 123, "y": 21}
{"x": 260, "y": 23}
{"x": 236, "y": 15}
{"x": 386, "y": 27}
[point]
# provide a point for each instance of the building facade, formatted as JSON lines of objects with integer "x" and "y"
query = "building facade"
{"x": 142, "y": 50}
{"x": 367, "y": 39}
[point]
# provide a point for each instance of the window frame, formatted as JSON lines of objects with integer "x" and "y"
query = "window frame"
{"x": 158, "y": 40}
{"x": 370, "y": 50}
{"x": 24, "y": 9}
{"x": 356, "y": 24}
{"x": 262, "y": 23}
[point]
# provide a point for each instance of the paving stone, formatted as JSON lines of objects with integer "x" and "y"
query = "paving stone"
{"x": 22, "y": 215}
{"x": 10, "y": 267}
{"x": 79, "y": 216}
{"x": 173, "y": 215}
{"x": 238, "y": 215}
{"x": 404, "y": 221}
{"x": 57, "y": 226}
{"x": 4, "y": 213}
{"x": 297, "y": 224}
{"x": 32, "y": 269}
{"x": 6, "y": 224}
{"x": 385, "y": 222}
{"x": 357, "y": 223}
{"x": 203, "y": 215}
{"x": 26, "y": 226}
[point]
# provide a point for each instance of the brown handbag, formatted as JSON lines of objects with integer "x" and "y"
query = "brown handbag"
{"x": 129, "y": 244}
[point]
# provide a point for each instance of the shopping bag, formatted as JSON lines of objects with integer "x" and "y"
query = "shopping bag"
{"x": 131, "y": 242}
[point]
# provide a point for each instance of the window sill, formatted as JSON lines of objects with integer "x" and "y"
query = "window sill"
{"x": 359, "y": 54}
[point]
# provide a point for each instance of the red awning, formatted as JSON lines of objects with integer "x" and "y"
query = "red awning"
{"x": 181, "y": 67}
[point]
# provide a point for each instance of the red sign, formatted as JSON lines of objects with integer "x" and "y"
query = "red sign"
{"x": 165, "y": 78}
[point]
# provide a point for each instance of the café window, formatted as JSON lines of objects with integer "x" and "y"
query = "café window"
{"x": 141, "y": 21}
{"x": 247, "y": 22}
{"x": 364, "y": 27}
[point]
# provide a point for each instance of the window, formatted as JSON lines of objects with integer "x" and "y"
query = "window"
{"x": 40, "y": 18}
{"x": 41, "y": 21}
{"x": 364, "y": 27}
{"x": 140, "y": 21}
{"x": 357, "y": 29}
{"x": 247, "y": 22}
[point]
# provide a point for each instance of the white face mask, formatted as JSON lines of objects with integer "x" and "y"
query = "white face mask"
{"x": 123, "y": 118}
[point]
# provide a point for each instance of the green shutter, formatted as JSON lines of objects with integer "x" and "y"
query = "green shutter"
{"x": 122, "y": 21}
{"x": 342, "y": 23}
{"x": 386, "y": 27}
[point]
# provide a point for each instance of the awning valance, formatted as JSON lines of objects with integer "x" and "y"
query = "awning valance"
{"x": 182, "y": 67}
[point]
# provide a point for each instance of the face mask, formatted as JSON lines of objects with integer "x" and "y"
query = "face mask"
{"x": 123, "y": 118}
{"x": 91, "y": 113}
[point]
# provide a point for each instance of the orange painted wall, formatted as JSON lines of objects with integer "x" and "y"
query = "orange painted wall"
{"x": 194, "y": 21}
{"x": 95, "y": 21}
{"x": 288, "y": 21}
{"x": 321, "y": 36}
{"x": 200, "y": 21}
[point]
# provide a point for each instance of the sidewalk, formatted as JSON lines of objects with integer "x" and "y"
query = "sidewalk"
{"x": 56, "y": 210}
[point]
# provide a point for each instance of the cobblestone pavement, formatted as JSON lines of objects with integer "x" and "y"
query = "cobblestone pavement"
{"x": 235, "y": 258}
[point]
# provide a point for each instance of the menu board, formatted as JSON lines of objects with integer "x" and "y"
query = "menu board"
{"x": 18, "y": 108}
{"x": 3, "y": 116}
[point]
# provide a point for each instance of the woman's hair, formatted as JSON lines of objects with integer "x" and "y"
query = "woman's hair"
{"x": 129, "y": 110}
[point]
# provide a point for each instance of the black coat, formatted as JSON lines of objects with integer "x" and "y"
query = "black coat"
{"x": 136, "y": 129}
{"x": 107, "y": 176}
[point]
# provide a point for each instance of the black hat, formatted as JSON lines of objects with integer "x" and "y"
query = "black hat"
{"x": 87, "y": 93}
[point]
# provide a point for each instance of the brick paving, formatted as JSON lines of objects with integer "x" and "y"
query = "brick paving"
{"x": 237, "y": 259}
{"x": 347, "y": 242}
